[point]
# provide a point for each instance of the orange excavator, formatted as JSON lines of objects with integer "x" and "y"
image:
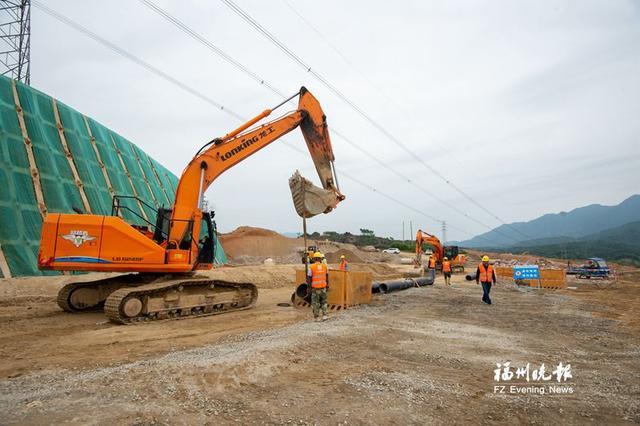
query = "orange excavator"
{"x": 164, "y": 255}
{"x": 439, "y": 252}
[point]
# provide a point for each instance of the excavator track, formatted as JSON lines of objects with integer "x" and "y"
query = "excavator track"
{"x": 90, "y": 295}
{"x": 179, "y": 298}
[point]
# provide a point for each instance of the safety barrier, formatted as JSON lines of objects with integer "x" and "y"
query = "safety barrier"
{"x": 346, "y": 289}
{"x": 54, "y": 159}
{"x": 549, "y": 278}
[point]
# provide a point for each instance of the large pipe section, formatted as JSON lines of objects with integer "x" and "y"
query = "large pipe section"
{"x": 396, "y": 285}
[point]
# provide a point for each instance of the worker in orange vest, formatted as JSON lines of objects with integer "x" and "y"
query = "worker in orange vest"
{"x": 318, "y": 279}
{"x": 487, "y": 276}
{"x": 344, "y": 266}
{"x": 432, "y": 267}
{"x": 446, "y": 271}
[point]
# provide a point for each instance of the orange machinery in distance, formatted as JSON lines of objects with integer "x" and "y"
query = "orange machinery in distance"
{"x": 439, "y": 252}
{"x": 172, "y": 245}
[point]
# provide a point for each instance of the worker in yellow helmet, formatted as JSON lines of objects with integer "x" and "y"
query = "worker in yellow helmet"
{"x": 446, "y": 271}
{"x": 318, "y": 279}
{"x": 344, "y": 266}
{"x": 487, "y": 276}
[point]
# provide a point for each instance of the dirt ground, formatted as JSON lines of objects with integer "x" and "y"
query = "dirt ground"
{"x": 423, "y": 355}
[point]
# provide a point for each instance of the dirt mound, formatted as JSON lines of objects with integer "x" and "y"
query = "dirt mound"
{"x": 380, "y": 272}
{"x": 249, "y": 241}
{"x": 334, "y": 257}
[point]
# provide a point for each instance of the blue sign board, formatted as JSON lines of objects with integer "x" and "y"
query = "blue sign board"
{"x": 526, "y": 272}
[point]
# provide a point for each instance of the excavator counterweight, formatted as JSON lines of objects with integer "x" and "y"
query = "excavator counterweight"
{"x": 165, "y": 255}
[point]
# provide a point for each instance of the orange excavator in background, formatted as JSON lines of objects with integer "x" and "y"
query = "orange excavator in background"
{"x": 165, "y": 255}
{"x": 439, "y": 252}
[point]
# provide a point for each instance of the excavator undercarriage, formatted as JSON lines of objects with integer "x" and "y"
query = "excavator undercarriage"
{"x": 134, "y": 298}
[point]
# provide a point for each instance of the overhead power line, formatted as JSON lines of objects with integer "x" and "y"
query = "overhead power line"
{"x": 344, "y": 57}
{"x": 199, "y": 38}
{"x": 217, "y": 105}
{"x": 245, "y": 16}
{"x": 221, "y": 53}
{"x": 133, "y": 58}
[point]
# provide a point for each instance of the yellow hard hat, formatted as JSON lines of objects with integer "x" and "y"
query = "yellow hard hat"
{"x": 342, "y": 257}
{"x": 485, "y": 258}
{"x": 317, "y": 255}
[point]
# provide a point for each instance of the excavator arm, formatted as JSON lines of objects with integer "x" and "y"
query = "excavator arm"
{"x": 223, "y": 153}
{"x": 439, "y": 250}
{"x": 423, "y": 237}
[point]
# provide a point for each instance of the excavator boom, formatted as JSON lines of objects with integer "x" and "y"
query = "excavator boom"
{"x": 224, "y": 153}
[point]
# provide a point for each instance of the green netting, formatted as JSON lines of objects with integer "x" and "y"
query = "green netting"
{"x": 17, "y": 194}
{"x": 20, "y": 218}
{"x": 58, "y": 187}
{"x": 135, "y": 175}
{"x": 150, "y": 177}
{"x": 116, "y": 172}
{"x": 86, "y": 161}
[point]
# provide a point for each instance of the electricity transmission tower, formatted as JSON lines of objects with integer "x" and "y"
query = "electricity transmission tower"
{"x": 15, "y": 39}
{"x": 444, "y": 232}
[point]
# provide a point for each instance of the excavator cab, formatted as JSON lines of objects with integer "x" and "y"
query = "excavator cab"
{"x": 206, "y": 244}
{"x": 206, "y": 240}
{"x": 162, "y": 225}
{"x": 451, "y": 251}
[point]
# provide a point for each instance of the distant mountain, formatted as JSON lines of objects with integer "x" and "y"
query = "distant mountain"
{"x": 575, "y": 224}
{"x": 628, "y": 233}
{"x": 621, "y": 244}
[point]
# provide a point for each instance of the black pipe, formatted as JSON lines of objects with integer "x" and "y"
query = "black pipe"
{"x": 396, "y": 285}
{"x": 302, "y": 293}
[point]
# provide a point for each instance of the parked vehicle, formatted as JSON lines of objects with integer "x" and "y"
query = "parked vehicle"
{"x": 391, "y": 250}
{"x": 594, "y": 267}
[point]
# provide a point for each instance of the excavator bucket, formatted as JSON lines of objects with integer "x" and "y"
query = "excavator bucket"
{"x": 310, "y": 200}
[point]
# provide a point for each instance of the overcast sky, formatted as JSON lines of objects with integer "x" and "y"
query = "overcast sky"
{"x": 530, "y": 107}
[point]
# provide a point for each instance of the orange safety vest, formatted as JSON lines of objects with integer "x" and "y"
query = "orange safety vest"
{"x": 446, "y": 266}
{"x": 318, "y": 275}
{"x": 343, "y": 265}
{"x": 486, "y": 275}
{"x": 432, "y": 263}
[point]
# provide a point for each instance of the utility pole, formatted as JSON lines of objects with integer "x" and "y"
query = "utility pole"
{"x": 410, "y": 227}
{"x": 403, "y": 231}
{"x": 444, "y": 232}
{"x": 15, "y": 39}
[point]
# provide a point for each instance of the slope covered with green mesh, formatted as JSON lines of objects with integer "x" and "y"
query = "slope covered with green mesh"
{"x": 99, "y": 155}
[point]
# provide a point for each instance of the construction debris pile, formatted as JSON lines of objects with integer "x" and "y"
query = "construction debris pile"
{"x": 542, "y": 263}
